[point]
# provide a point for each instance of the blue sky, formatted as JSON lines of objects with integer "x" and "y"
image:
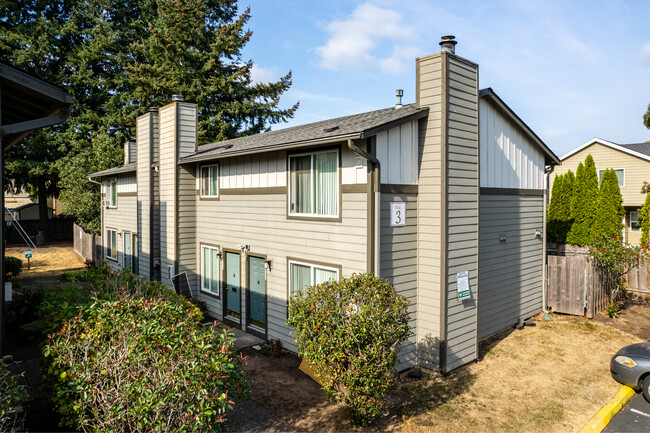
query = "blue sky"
{"x": 572, "y": 70}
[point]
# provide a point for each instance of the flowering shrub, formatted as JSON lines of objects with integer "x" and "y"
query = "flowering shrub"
{"x": 350, "y": 332}
{"x": 142, "y": 364}
{"x": 615, "y": 255}
{"x": 12, "y": 394}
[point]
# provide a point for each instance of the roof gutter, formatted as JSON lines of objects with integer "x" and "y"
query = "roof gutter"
{"x": 377, "y": 193}
{"x": 24, "y": 128}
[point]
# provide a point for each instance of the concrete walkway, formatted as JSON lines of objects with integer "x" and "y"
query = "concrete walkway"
{"x": 243, "y": 339}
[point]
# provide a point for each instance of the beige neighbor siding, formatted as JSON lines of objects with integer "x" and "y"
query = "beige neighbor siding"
{"x": 429, "y": 210}
{"x": 121, "y": 218}
{"x": 511, "y": 271}
{"x": 177, "y": 139}
{"x": 636, "y": 172}
{"x": 251, "y": 217}
{"x": 399, "y": 263}
{"x": 462, "y": 209}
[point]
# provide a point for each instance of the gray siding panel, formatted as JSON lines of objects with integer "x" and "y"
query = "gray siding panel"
{"x": 511, "y": 272}
{"x": 462, "y": 210}
{"x": 399, "y": 263}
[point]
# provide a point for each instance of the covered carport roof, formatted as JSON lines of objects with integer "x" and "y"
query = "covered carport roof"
{"x": 28, "y": 103}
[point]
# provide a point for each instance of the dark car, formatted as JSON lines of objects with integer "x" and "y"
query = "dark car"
{"x": 631, "y": 366}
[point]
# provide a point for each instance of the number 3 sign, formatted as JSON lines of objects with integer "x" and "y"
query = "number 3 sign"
{"x": 397, "y": 214}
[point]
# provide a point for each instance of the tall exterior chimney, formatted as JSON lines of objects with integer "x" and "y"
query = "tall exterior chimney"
{"x": 447, "y": 206}
{"x": 448, "y": 44}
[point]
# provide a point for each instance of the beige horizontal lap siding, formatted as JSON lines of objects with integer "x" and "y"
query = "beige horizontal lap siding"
{"x": 636, "y": 169}
{"x": 144, "y": 143}
{"x": 121, "y": 218}
{"x": 260, "y": 221}
{"x": 462, "y": 210}
{"x": 167, "y": 185}
{"x": 511, "y": 271}
{"x": 399, "y": 264}
{"x": 429, "y": 210}
{"x": 186, "y": 225}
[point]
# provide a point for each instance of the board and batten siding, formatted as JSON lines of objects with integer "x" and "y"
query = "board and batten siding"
{"x": 429, "y": 210}
{"x": 511, "y": 271}
{"x": 397, "y": 151}
{"x": 508, "y": 158}
{"x": 399, "y": 264}
{"x": 462, "y": 200}
{"x": 121, "y": 218}
{"x": 260, "y": 221}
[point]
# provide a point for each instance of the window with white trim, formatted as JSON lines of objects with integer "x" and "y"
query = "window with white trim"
{"x": 314, "y": 184}
{"x": 210, "y": 269}
{"x": 634, "y": 222}
{"x": 111, "y": 244}
{"x": 620, "y": 173}
{"x": 302, "y": 274}
{"x": 111, "y": 192}
{"x": 210, "y": 181}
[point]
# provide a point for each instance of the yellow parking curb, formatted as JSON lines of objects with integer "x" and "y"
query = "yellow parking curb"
{"x": 605, "y": 415}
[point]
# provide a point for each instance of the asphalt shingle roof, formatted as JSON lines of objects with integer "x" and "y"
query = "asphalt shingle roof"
{"x": 356, "y": 126}
{"x": 639, "y": 147}
{"x": 126, "y": 168}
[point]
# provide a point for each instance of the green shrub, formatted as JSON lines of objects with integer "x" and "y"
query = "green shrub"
{"x": 583, "y": 203}
{"x": 59, "y": 304}
{"x": 644, "y": 221}
{"x": 137, "y": 364}
{"x": 12, "y": 395}
{"x": 559, "y": 211}
{"x": 13, "y": 267}
{"x": 350, "y": 332}
{"x": 608, "y": 220}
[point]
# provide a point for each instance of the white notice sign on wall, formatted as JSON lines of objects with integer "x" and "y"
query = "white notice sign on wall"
{"x": 397, "y": 213}
{"x": 462, "y": 284}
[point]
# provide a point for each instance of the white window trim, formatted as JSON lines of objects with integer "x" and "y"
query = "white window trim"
{"x": 209, "y": 248}
{"x": 311, "y": 273}
{"x": 109, "y": 193}
{"x": 637, "y": 220}
{"x": 108, "y": 241}
{"x": 311, "y": 171}
{"x": 600, "y": 175}
{"x": 203, "y": 194}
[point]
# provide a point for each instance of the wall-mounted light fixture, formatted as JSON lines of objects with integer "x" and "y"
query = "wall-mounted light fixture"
{"x": 219, "y": 255}
{"x": 243, "y": 248}
{"x": 267, "y": 265}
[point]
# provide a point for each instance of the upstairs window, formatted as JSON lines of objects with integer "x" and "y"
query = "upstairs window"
{"x": 210, "y": 181}
{"x": 314, "y": 184}
{"x": 620, "y": 173}
{"x": 111, "y": 192}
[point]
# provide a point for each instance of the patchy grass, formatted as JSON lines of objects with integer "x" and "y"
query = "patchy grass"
{"x": 553, "y": 377}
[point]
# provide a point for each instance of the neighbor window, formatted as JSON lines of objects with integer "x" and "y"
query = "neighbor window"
{"x": 314, "y": 184}
{"x": 620, "y": 173}
{"x": 303, "y": 275}
{"x": 111, "y": 192}
{"x": 111, "y": 244}
{"x": 634, "y": 222}
{"x": 210, "y": 258}
{"x": 210, "y": 181}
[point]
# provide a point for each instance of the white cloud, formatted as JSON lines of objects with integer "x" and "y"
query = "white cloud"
{"x": 262, "y": 75}
{"x": 645, "y": 54}
{"x": 354, "y": 41}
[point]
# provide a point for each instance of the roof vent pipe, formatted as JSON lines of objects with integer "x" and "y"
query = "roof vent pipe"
{"x": 399, "y": 93}
{"x": 448, "y": 44}
{"x": 177, "y": 98}
{"x": 153, "y": 109}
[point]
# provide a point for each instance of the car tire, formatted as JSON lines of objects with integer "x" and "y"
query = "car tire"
{"x": 646, "y": 388}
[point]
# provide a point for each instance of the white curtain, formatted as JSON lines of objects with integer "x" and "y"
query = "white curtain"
{"x": 325, "y": 184}
{"x": 323, "y": 275}
{"x": 214, "y": 271}
{"x": 301, "y": 184}
{"x": 214, "y": 179}
{"x": 300, "y": 277}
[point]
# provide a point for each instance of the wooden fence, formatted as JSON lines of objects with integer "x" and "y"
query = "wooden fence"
{"x": 577, "y": 286}
{"x": 87, "y": 245}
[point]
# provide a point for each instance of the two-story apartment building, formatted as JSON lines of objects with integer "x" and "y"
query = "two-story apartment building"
{"x": 443, "y": 197}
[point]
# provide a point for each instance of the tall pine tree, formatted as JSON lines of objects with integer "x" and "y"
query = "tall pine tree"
{"x": 118, "y": 58}
{"x": 583, "y": 203}
{"x": 608, "y": 220}
{"x": 644, "y": 221}
{"x": 559, "y": 214}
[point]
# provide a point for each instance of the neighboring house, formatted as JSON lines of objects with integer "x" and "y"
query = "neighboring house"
{"x": 439, "y": 196}
{"x": 28, "y": 211}
{"x": 632, "y": 165}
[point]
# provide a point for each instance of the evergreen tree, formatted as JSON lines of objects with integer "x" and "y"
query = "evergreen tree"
{"x": 644, "y": 221}
{"x": 610, "y": 211}
{"x": 117, "y": 58}
{"x": 583, "y": 203}
{"x": 559, "y": 214}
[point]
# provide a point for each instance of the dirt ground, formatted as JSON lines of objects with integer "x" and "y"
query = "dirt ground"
{"x": 47, "y": 265}
{"x": 634, "y": 318}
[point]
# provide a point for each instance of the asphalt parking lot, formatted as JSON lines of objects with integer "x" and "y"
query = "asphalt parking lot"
{"x": 634, "y": 417}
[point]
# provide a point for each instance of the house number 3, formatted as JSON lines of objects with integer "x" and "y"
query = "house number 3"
{"x": 397, "y": 214}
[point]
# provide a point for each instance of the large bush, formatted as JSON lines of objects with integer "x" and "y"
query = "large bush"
{"x": 559, "y": 211}
{"x": 12, "y": 395}
{"x": 138, "y": 364}
{"x": 583, "y": 203}
{"x": 13, "y": 267}
{"x": 350, "y": 332}
{"x": 608, "y": 220}
{"x": 644, "y": 221}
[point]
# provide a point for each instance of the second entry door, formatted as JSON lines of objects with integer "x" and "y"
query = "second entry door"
{"x": 233, "y": 282}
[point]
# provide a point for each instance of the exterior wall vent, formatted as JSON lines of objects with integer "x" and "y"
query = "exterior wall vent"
{"x": 448, "y": 44}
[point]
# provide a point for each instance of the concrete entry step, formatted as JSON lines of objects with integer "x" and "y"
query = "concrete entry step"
{"x": 242, "y": 339}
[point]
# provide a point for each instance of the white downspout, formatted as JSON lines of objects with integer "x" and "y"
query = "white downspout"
{"x": 547, "y": 176}
{"x": 377, "y": 186}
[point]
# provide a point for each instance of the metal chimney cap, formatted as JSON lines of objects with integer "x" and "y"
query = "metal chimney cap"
{"x": 399, "y": 93}
{"x": 448, "y": 43}
{"x": 177, "y": 98}
{"x": 153, "y": 109}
